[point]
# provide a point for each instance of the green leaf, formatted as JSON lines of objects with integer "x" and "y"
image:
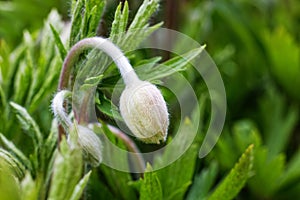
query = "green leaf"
{"x": 60, "y": 46}
{"x": 107, "y": 107}
{"x": 120, "y": 22}
{"x": 268, "y": 171}
{"x": 9, "y": 185}
{"x": 49, "y": 85}
{"x": 28, "y": 123}
{"x": 139, "y": 28}
{"x": 203, "y": 182}
{"x": 14, "y": 150}
{"x": 67, "y": 171}
{"x": 12, "y": 162}
{"x": 3, "y": 101}
{"x": 51, "y": 141}
{"x": 285, "y": 68}
{"x": 236, "y": 179}
{"x": 15, "y": 57}
{"x": 150, "y": 186}
{"x": 169, "y": 67}
{"x": 30, "y": 190}
{"x": 85, "y": 19}
{"x": 75, "y": 34}
{"x": 292, "y": 172}
{"x": 278, "y": 121}
{"x": 124, "y": 18}
{"x": 174, "y": 187}
{"x": 23, "y": 80}
{"x": 142, "y": 16}
{"x": 94, "y": 15}
{"x": 4, "y": 61}
{"x": 79, "y": 188}
{"x": 245, "y": 133}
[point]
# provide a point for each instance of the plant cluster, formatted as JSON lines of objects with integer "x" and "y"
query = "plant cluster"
{"x": 52, "y": 148}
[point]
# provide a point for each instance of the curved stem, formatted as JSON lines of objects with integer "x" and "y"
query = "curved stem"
{"x": 126, "y": 70}
{"x": 59, "y": 110}
{"x": 130, "y": 145}
{"x": 140, "y": 162}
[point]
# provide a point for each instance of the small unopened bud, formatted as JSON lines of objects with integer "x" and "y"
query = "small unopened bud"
{"x": 90, "y": 144}
{"x": 144, "y": 111}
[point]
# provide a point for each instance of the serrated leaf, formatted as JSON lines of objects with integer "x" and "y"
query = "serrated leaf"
{"x": 22, "y": 81}
{"x": 236, "y": 179}
{"x": 49, "y": 84}
{"x": 203, "y": 182}
{"x": 79, "y": 188}
{"x": 75, "y": 34}
{"x": 150, "y": 188}
{"x": 142, "y": 16}
{"x": 15, "y": 58}
{"x": 95, "y": 15}
{"x": 28, "y": 123}
{"x": 120, "y": 22}
{"x": 43, "y": 63}
{"x": 139, "y": 28}
{"x": 18, "y": 153}
{"x": 124, "y": 17}
{"x": 134, "y": 37}
{"x": 169, "y": 67}
{"x": 85, "y": 19}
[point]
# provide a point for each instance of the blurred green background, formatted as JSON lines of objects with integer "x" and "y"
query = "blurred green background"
{"x": 256, "y": 45}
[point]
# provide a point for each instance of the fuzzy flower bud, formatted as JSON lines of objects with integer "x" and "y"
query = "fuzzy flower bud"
{"x": 90, "y": 144}
{"x": 142, "y": 105}
{"x": 144, "y": 111}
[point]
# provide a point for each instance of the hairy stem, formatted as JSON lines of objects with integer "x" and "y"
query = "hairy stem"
{"x": 59, "y": 110}
{"x": 126, "y": 70}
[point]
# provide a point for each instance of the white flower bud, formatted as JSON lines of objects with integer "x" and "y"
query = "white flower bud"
{"x": 90, "y": 144}
{"x": 144, "y": 111}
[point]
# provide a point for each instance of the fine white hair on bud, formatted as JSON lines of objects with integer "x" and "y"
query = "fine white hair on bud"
{"x": 144, "y": 111}
{"x": 90, "y": 144}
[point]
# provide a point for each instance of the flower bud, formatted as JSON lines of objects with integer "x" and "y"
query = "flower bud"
{"x": 144, "y": 111}
{"x": 90, "y": 144}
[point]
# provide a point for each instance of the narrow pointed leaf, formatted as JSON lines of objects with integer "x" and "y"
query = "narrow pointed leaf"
{"x": 28, "y": 123}
{"x": 79, "y": 188}
{"x": 59, "y": 44}
{"x": 14, "y": 150}
{"x": 236, "y": 179}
